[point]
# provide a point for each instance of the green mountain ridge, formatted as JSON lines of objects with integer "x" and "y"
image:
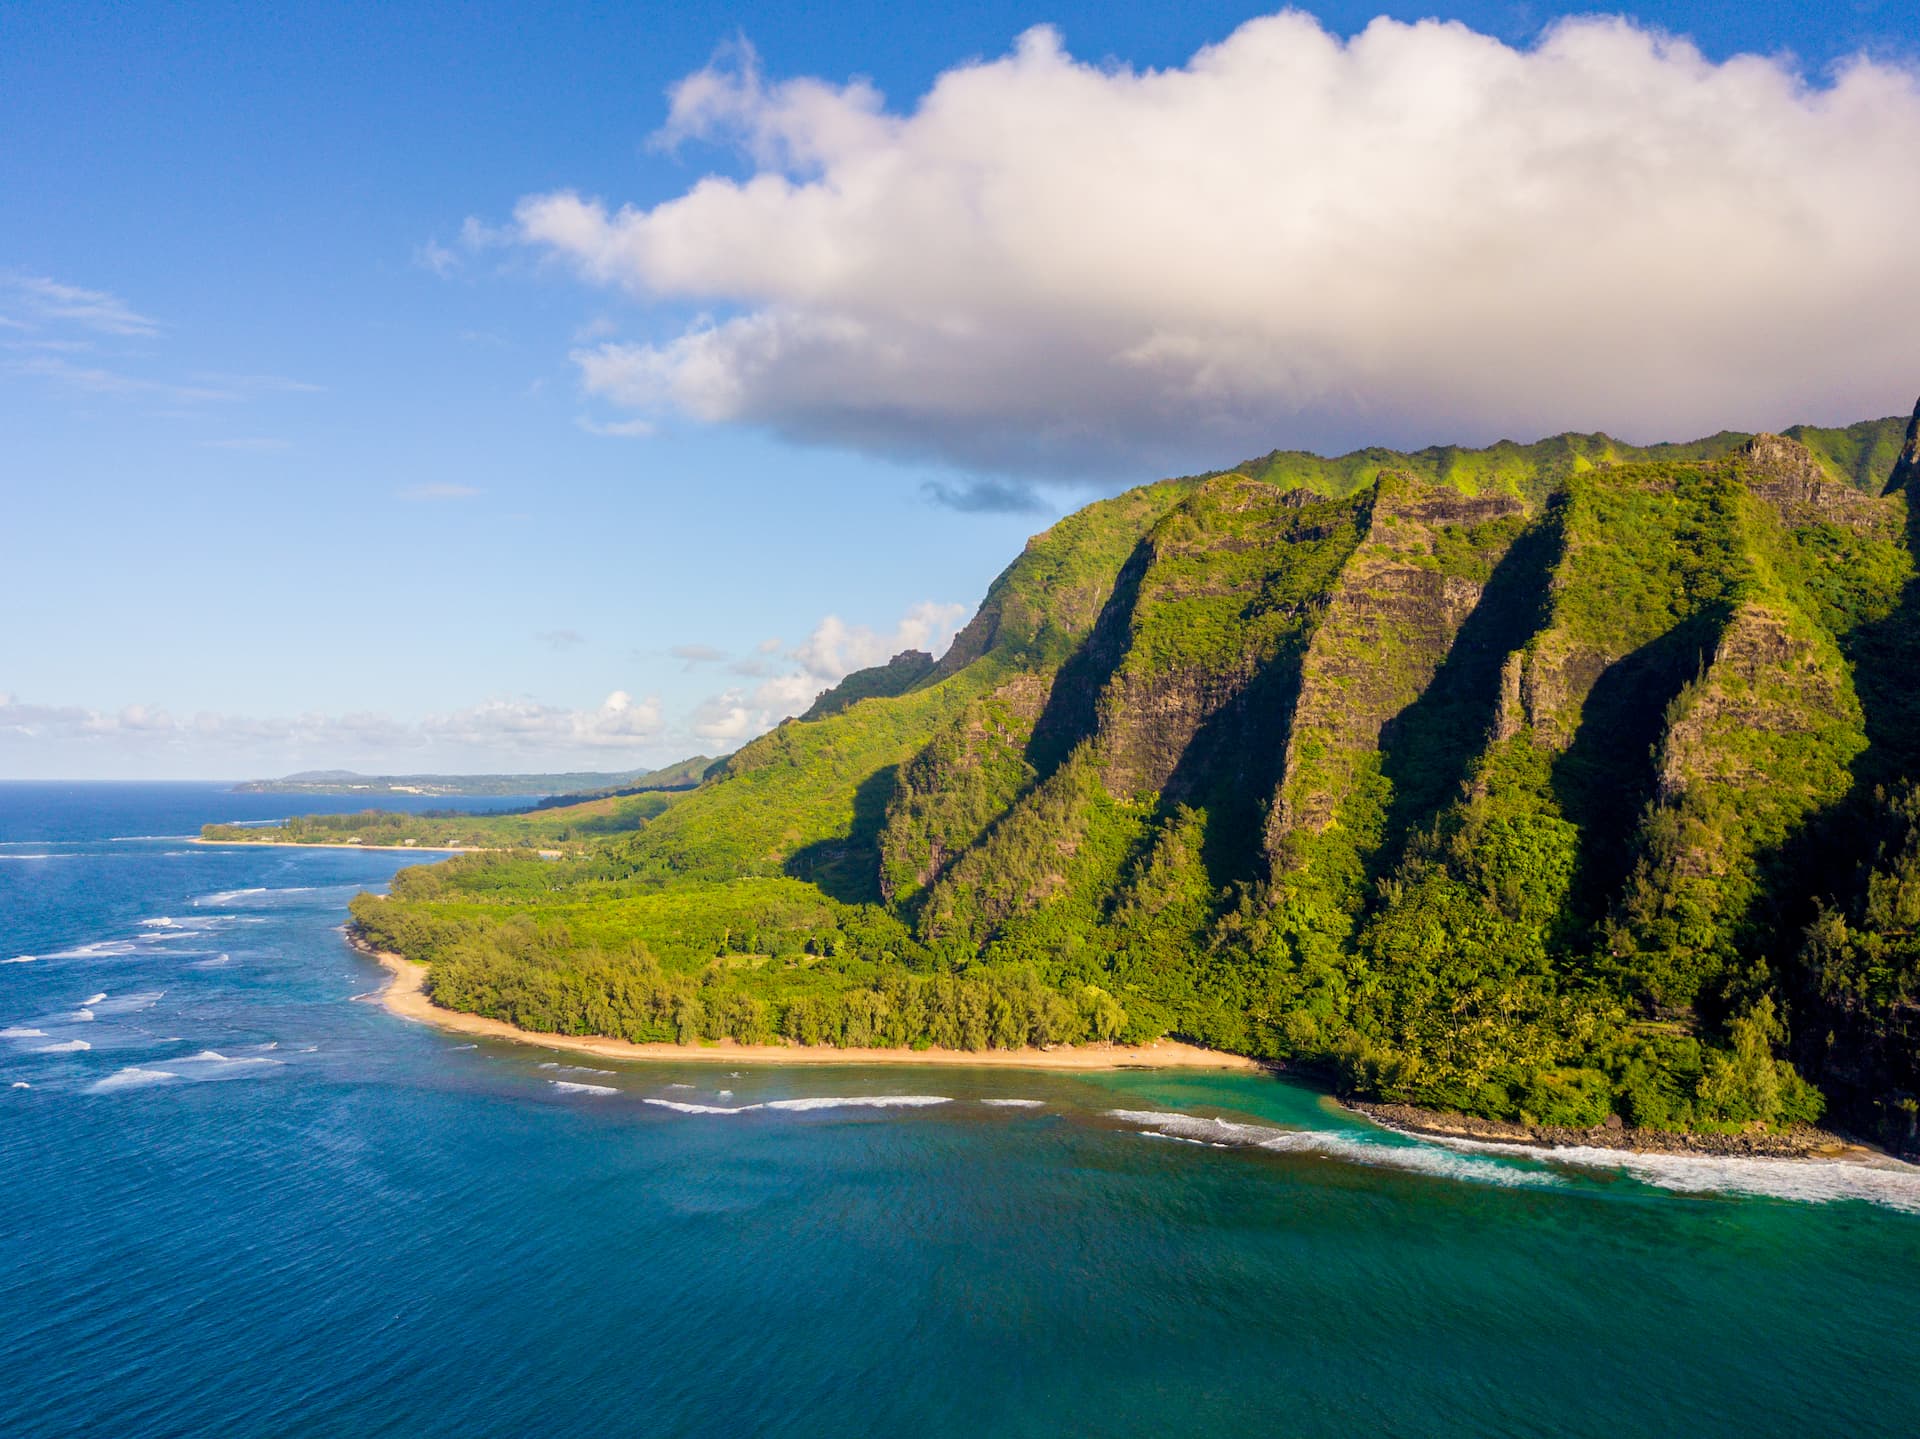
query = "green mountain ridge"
{"x": 1549, "y": 782}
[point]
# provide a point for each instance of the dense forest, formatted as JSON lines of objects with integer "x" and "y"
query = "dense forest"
{"x": 1550, "y": 782}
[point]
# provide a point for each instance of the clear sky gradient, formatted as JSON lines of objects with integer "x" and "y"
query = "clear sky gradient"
{"x": 346, "y": 421}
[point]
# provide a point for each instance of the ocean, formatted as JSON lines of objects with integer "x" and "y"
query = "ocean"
{"x": 238, "y": 1198}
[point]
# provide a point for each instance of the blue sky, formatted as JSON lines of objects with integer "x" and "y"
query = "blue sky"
{"x": 349, "y": 419}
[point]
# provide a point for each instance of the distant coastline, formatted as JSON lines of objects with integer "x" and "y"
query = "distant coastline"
{"x": 338, "y": 844}
{"x": 405, "y": 995}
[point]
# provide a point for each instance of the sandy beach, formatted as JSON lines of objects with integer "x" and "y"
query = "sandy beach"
{"x": 406, "y": 996}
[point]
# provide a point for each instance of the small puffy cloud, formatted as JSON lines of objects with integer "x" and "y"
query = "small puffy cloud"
{"x": 1049, "y": 267}
{"x": 438, "y": 490}
{"x": 725, "y": 717}
{"x": 616, "y": 429}
{"x": 436, "y": 258}
{"x": 561, "y": 639}
{"x": 697, "y": 654}
{"x": 834, "y": 649}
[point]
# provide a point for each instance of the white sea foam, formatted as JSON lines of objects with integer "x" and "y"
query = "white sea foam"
{"x": 132, "y": 1077}
{"x": 254, "y": 894}
{"x": 466, "y": 1046}
{"x": 681, "y": 1106}
{"x": 15, "y": 1032}
{"x": 573, "y": 1068}
{"x": 679, "y": 1086}
{"x": 125, "y": 1003}
{"x": 567, "y": 1086}
{"x": 70, "y": 1046}
{"x": 228, "y": 896}
{"x": 1015, "y": 1103}
{"x": 215, "y": 963}
{"x": 80, "y": 1016}
{"x": 1416, "y": 1158}
{"x": 823, "y": 1101}
{"x": 210, "y": 1064}
{"x": 35, "y": 856}
{"x": 94, "y": 998}
{"x": 1878, "y": 1180}
{"x": 860, "y": 1101}
{"x": 21, "y": 1084}
{"x": 103, "y": 949}
{"x": 21, "y": 959}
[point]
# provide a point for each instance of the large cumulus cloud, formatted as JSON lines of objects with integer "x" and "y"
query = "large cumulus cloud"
{"x": 1418, "y": 233}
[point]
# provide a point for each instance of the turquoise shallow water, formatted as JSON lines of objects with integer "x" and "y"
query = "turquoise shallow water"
{"x": 254, "y": 1205}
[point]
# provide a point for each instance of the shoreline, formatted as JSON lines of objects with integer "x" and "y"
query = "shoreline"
{"x": 1802, "y": 1143}
{"x": 405, "y": 996}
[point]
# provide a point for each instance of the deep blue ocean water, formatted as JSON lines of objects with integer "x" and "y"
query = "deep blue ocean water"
{"x": 238, "y": 1199}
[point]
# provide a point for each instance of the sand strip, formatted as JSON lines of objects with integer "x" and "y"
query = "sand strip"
{"x": 406, "y": 996}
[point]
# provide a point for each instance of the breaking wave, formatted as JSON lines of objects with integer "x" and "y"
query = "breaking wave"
{"x": 824, "y": 1101}
{"x": 568, "y": 1086}
{"x": 1015, "y": 1103}
{"x": 1878, "y": 1180}
{"x": 1414, "y": 1158}
{"x": 132, "y": 1077}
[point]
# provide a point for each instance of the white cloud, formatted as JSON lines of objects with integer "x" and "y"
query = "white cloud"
{"x": 832, "y": 651}
{"x": 495, "y": 731}
{"x": 617, "y": 429}
{"x": 98, "y": 380}
{"x": 58, "y": 303}
{"x": 436, "y": 258}
{"x": 836, "y": 649}
{"x": 1419, "y": 233}
{"x": 621, "y": 722}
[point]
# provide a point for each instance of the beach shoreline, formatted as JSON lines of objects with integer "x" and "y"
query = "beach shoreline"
{"x": 405, "y": 996}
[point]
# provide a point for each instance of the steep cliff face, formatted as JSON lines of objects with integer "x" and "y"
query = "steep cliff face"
{"x": 949, "y": 792}
{"x": 1906, "y": 469}
{"x": 1762, "y": 741}
{"x": 1235, "y": 581}
{"x": 1390, "y": 622}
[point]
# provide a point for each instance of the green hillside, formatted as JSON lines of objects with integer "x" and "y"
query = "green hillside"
{"x": 1549, "y": 782}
